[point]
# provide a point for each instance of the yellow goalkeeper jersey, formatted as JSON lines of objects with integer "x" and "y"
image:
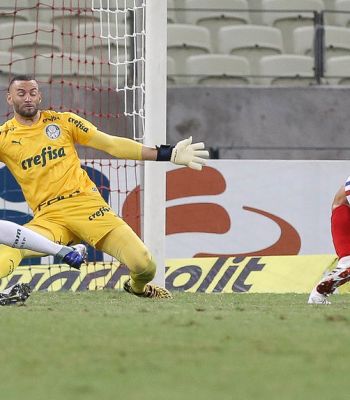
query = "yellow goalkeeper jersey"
{"x": 43, "y": 159}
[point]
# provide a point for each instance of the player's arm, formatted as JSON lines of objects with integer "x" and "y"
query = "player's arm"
{"x": 183, "y": 153}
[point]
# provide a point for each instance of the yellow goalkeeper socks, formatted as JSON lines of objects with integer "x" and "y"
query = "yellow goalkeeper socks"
{"x": 139, "y": 281}
{"x": 137, "y": 287}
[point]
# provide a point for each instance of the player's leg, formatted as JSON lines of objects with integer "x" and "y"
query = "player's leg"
{"x": 340, "y": 227}
{"x": 20, "y": 237}
{"x": 123, "y": 244}
{"x": 11, "y": 257}
{"x": 74, "y": 256}
{"x": 95, "y": 222}
{"x": 9, "y": 260}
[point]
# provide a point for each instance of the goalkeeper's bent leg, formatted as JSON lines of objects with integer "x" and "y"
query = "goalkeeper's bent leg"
{"x": 9, "y": 260}
{"x": 123, "y": 244}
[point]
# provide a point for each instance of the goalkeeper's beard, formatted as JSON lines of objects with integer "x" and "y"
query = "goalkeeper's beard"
{"x": 26, "y": 112}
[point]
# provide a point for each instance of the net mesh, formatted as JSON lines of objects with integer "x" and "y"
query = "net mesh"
{"x": 122, "y": 28}
{"x": 88, "y": 57}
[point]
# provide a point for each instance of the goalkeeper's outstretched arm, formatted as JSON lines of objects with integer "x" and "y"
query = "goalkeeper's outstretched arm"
{"x": 184, "y": 152}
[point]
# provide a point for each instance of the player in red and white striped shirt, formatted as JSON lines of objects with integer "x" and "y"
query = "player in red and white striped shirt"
{"x": 340, "y": 225}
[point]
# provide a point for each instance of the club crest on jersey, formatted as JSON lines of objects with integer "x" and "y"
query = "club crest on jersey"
{"x": 53, "y": 131}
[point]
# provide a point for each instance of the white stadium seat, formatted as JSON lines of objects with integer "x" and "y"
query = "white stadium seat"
{"x": 11, "y": 64}
{"x": 16, "y": 10}
{"x": 337, "y": 71}
{"x": 66, "y": 14}
{"x": 290, "y": 15}
{"x": 336, "y": 38}
{"x": 214, "y": 15}
{"x": 171, "y": 17}
{"x": 303, "y": 40}
{"x": 255, "y": 7}
{"x": 337, "y": 41}
{"x": 342, "y": 19}
{"x": 69, "y": 67}
{"x": 329, "y": 16}
{"x": 251, "y": 42}
{"x": 186, "y": 40}
{"x": 218, "y": 70}
{"x": 28, "y": 38}
{"x": 287, "y": 70}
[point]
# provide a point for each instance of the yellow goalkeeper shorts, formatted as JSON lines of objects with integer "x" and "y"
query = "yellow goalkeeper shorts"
{"x": 85, "y": 216}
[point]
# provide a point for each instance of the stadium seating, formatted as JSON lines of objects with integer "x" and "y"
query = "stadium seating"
{"x": 214, "y": 15}
{"x": 70, "y": 67}
{"x": 112, "y": 75}
{"x": 329, "y": 16}
{"x": 71, "y": 26}
{"x": 342, "y": 19}
{"x": 29, "y": 39}
{"x": 11, "y": 64}
{"x": 187, "y": 40}
{"x": 88, "y": 40}
{"x": 287, "y": 70}
{"x": 251, "y": 42}
{"x": 255, "y": 7}
{"x": 218, "y": 70}
{"x": 303, "y": 40}
{"x": 337, "y": 71}
{"x": 337, "y": 41}
{"x": 286, "y": 20}
{"x": 171, "y": 17}
{"x": 329, "y": 4}
{"x": 18, "y": 10}
{"x": 65, "y": 14}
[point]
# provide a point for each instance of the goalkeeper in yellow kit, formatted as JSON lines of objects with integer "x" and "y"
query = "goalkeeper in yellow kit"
{"x": 38, "y": 148}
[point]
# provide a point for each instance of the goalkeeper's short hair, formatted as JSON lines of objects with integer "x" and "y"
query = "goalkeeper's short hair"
{"x": 21, "y": 78}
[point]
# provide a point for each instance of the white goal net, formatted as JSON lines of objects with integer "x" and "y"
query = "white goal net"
{"x": 122, "y": 28}
{"x": 104, "y": 60}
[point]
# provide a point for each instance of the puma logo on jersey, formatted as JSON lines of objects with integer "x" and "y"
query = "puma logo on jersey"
{"x": 78, "y": 124}
{"x": 47, "y": 154}
{"x": 16, "y": 141}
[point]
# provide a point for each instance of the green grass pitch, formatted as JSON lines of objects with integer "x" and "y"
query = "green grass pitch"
{"x": 110, "y": 345}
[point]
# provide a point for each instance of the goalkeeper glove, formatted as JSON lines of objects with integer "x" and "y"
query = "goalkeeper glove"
{"x": 184, "y": 153}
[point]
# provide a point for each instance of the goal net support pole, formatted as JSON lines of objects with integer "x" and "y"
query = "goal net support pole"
{"x": 155, "y": 132}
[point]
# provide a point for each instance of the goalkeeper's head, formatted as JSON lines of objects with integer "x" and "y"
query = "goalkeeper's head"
{"x": 24, "y": 96}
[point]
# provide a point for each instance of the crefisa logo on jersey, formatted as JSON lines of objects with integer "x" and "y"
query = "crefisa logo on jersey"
{"x": 53, "y": 131}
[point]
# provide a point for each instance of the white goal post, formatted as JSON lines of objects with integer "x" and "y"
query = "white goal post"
{"x": 142, "y": 49}
{"x": 155, "y": 131}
